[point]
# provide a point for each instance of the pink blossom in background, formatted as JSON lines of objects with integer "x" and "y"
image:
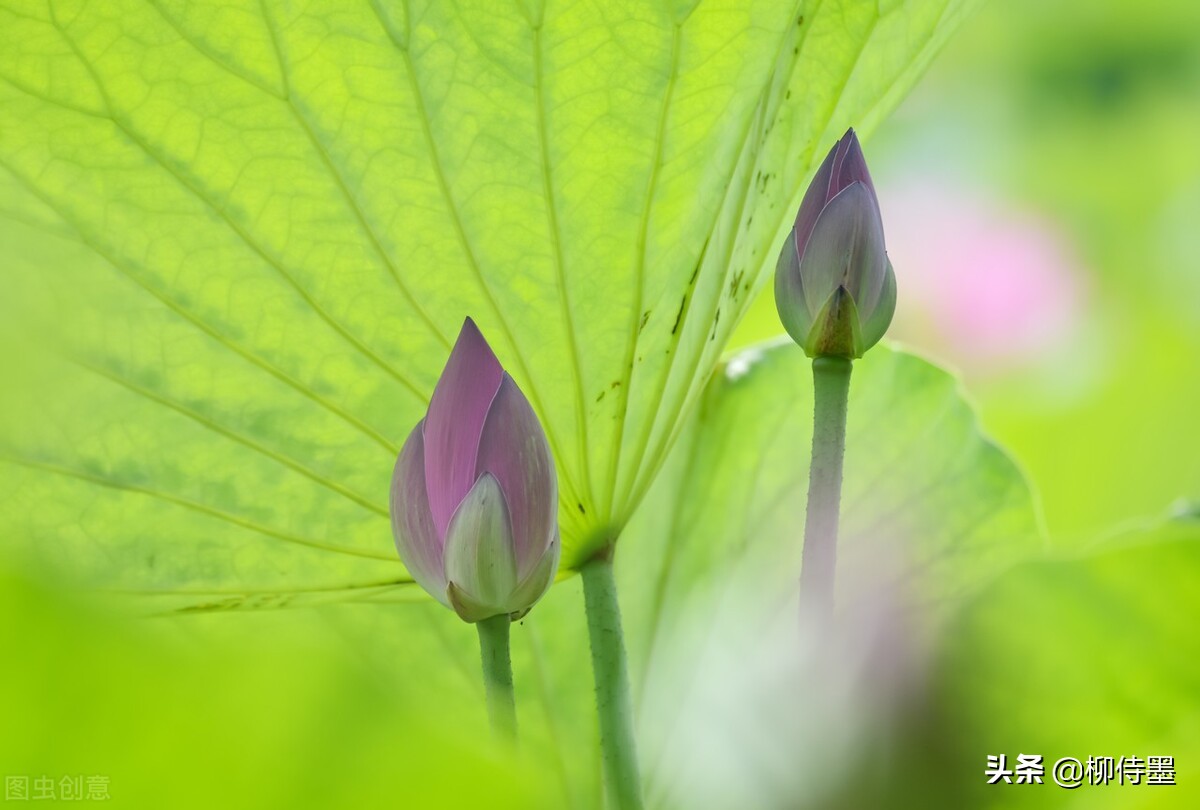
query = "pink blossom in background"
{"x": 991, "y": 287}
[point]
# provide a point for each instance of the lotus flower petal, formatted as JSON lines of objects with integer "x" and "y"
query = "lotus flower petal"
{"x": 513, "y": 449}
{"x": 455, "y": 420}
{"x": 412, "y": 524}
{"x": 836, "y": 332}
{"x": 534, "y": 586}
{"x": 480, "y": 563}
{"x": 810, "y": 207}
{"x": 846, "y": 249}
{"x": 467, "y": 607}
{"x": 789, "y": 294}
{"x": 474, "y": 498}
{"x": 849, "y": 166}
{"x": 875, "y": 324}
{"x": 833, "y": 270}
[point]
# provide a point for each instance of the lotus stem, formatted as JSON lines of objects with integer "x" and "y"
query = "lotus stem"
{"x": 614, "y": 704}
{"x": 818, "y": 562}
{"x": 497, "y": 675}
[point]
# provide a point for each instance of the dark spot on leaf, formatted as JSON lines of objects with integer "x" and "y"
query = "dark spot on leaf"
{"x": 582, "y": 511}
{"x": 700, "y": 261}
{"x": 602, "y": 393}
{"x": 228, "y": 603}
{"x": 679, "y": 314}
{"x": 615, "y": 384}
{"x": 737, "y": 280}
{"x": 787, "y": 95}
{"x": 716, "y": 320}
{"x": 645, "y": 317}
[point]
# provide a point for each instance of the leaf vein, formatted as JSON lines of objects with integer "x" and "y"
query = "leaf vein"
{"x": 556, "y": 239}
{"x": 640, "y": 277}
{"x": 339, "y": 179}
{"x": 569, "y": 489}
{"x": 228, "y": 433}
{"x": 203, "y": 326}
{"x": 196, "y": 506}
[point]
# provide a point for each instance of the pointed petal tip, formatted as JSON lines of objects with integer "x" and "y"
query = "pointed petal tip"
{"x": 488, "y": 480}
{"x": 470, "y": 338}
{"x": 836, "y": 332}
{"x": 847, "y": 144}
{"x": 457, "y": 411}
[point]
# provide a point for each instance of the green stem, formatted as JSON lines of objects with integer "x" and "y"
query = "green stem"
{"x": 831, "y": 387}
{"x": 613, "y": 703}
{"x": 497, "y": 675}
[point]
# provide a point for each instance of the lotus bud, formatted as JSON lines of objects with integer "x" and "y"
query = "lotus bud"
{"x": 834, "y": 286}
{"x": 474, "y": 497}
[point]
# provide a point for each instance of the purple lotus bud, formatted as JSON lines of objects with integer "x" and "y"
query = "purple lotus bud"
{"x": 834, "y": 286}
{"x": 474, "y": 497}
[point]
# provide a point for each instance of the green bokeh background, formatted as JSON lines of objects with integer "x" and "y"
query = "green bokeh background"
{"x": 1086, "y": 113}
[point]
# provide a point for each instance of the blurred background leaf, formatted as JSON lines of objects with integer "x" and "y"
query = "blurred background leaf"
{"x": 1080, "y": 655}
{"x": 932, "y": 511}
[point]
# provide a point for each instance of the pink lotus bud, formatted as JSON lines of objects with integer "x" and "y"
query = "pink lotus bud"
{"x": 834, "y": 286}
{"x": 474, "y": 497}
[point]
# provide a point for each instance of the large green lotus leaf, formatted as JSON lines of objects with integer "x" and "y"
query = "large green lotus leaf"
{"x": 240, "y": 239}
